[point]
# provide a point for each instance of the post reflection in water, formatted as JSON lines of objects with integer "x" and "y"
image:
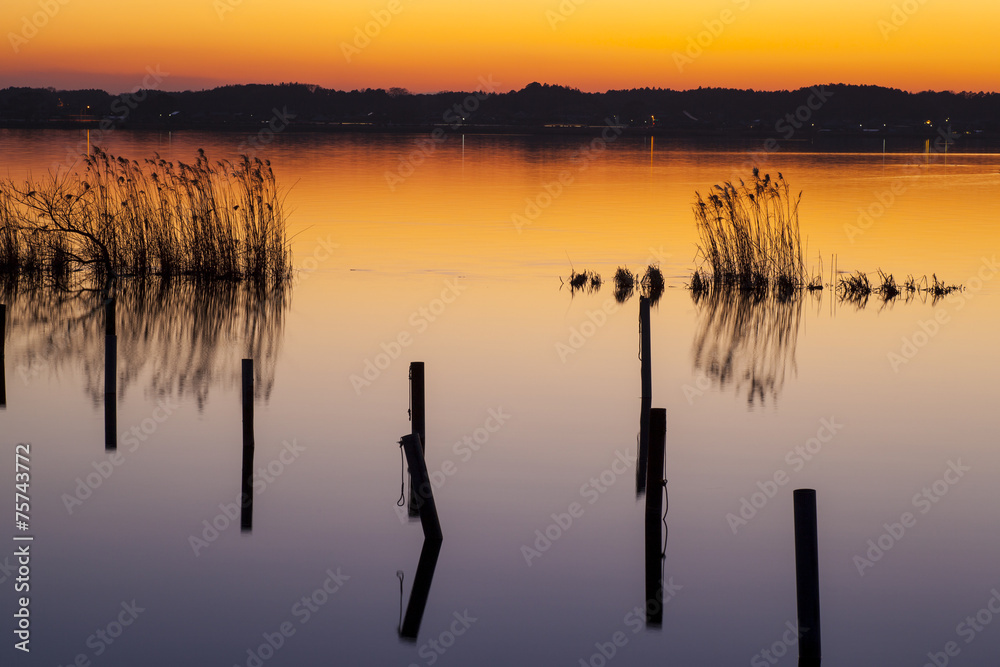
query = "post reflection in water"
{"x": 179, "y": 337}
{"x": 246, "y": 477}
{"x": 655, "y": 518}
{"x": 746, "y": 339}
{"x": 410, "y": 626}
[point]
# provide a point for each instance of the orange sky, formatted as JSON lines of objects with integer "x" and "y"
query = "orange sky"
{"x": 435, "y": 45}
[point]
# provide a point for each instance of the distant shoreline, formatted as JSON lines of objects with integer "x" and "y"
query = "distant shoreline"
{"x": 896, "y": 140}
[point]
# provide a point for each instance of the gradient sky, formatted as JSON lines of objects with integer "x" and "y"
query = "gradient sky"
{"x": 434, "y": 45}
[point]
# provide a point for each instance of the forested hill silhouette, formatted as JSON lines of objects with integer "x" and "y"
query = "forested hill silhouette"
{"x": 834, "y": 108}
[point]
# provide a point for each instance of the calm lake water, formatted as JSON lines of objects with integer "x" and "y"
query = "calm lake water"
{"x": 533, "y": 410}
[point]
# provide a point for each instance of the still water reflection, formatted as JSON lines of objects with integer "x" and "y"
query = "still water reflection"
{"x": 525, "y": 441}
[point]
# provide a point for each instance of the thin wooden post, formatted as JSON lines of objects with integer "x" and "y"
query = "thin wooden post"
{"x": 110, "y": 422}
{"x": 654, "y": 466}
{"x": 654, "y": 571}
{"x": 3, "y": 344}
{"x": 644, "y": 350}
{"x": 109, "y": 318}
{"x": 246, "y": 478}
{"x": 110, "y": 350}
{"x": 807, "y": 574}
{"x": 417, "y": 422}
{"x": 425, "y": 494}
{"x": 110, "y": 376}
{"x": 641, "y": 459}
{"x": 421, "y": 589}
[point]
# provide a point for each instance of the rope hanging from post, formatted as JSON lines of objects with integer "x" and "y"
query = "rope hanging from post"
{"x": 402, "y": 477}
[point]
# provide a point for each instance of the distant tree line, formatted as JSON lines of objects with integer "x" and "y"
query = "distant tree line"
{"x": 834, "y": 108}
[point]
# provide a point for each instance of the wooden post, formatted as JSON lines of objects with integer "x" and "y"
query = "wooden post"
{"x": 110, "y": 350}
{"x": 421, "y": 589}
{"x": 110, "y": 422}
{"x": 654, "y": 571}
{"x": 246, "y": 479}
{"x": 3, "y": 344}
{"x": 417, "y": 422}
{"x": 425, "y": 494}
{"x": 655, "y": 485}
{"x": 643, "y": 454}
{"x": 109, "y": 317}
{"x": 644, "y": 349}
{"x": 807, "y": 574}
{"x": 110, "y": 376}
{"x": 246, "y": 489}
{"x": 654, "y": 467}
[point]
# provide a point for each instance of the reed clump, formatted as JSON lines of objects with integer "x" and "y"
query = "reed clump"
{"x": 625, "y": 282}
{"x": 857, "y": 287}
{"x": 652, "y": 284}
{"x": 584, "y": 280}
{"x": 221, "y": 220}
{"x": 749, "y": 235}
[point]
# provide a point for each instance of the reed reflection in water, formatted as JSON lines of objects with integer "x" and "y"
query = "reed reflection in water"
{"x": 746, "y": 339}
{"x": 185, "y": 335}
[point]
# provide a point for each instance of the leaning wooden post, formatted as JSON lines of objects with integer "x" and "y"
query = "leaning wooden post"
{"x": 654, "y": 466}
{"x": 807, "y": 574}
{"x": 644, "y": 350}
{"x": 425, "y": 494}
{"x": 421, "y": 590}
{"x": 417, "y": 421}
{"x": 246, "y": 481}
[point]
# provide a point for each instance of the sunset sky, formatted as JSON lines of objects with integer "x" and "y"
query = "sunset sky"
{"x": 436, "y": 45}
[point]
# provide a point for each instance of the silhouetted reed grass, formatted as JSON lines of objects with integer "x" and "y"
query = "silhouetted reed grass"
{"x": 749, "y": 235}
{"x": 223, "y": 220}
{"x": 652, "y": 284}
{"x": 857, "y": 288}
{"x": 625, "y": 282}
